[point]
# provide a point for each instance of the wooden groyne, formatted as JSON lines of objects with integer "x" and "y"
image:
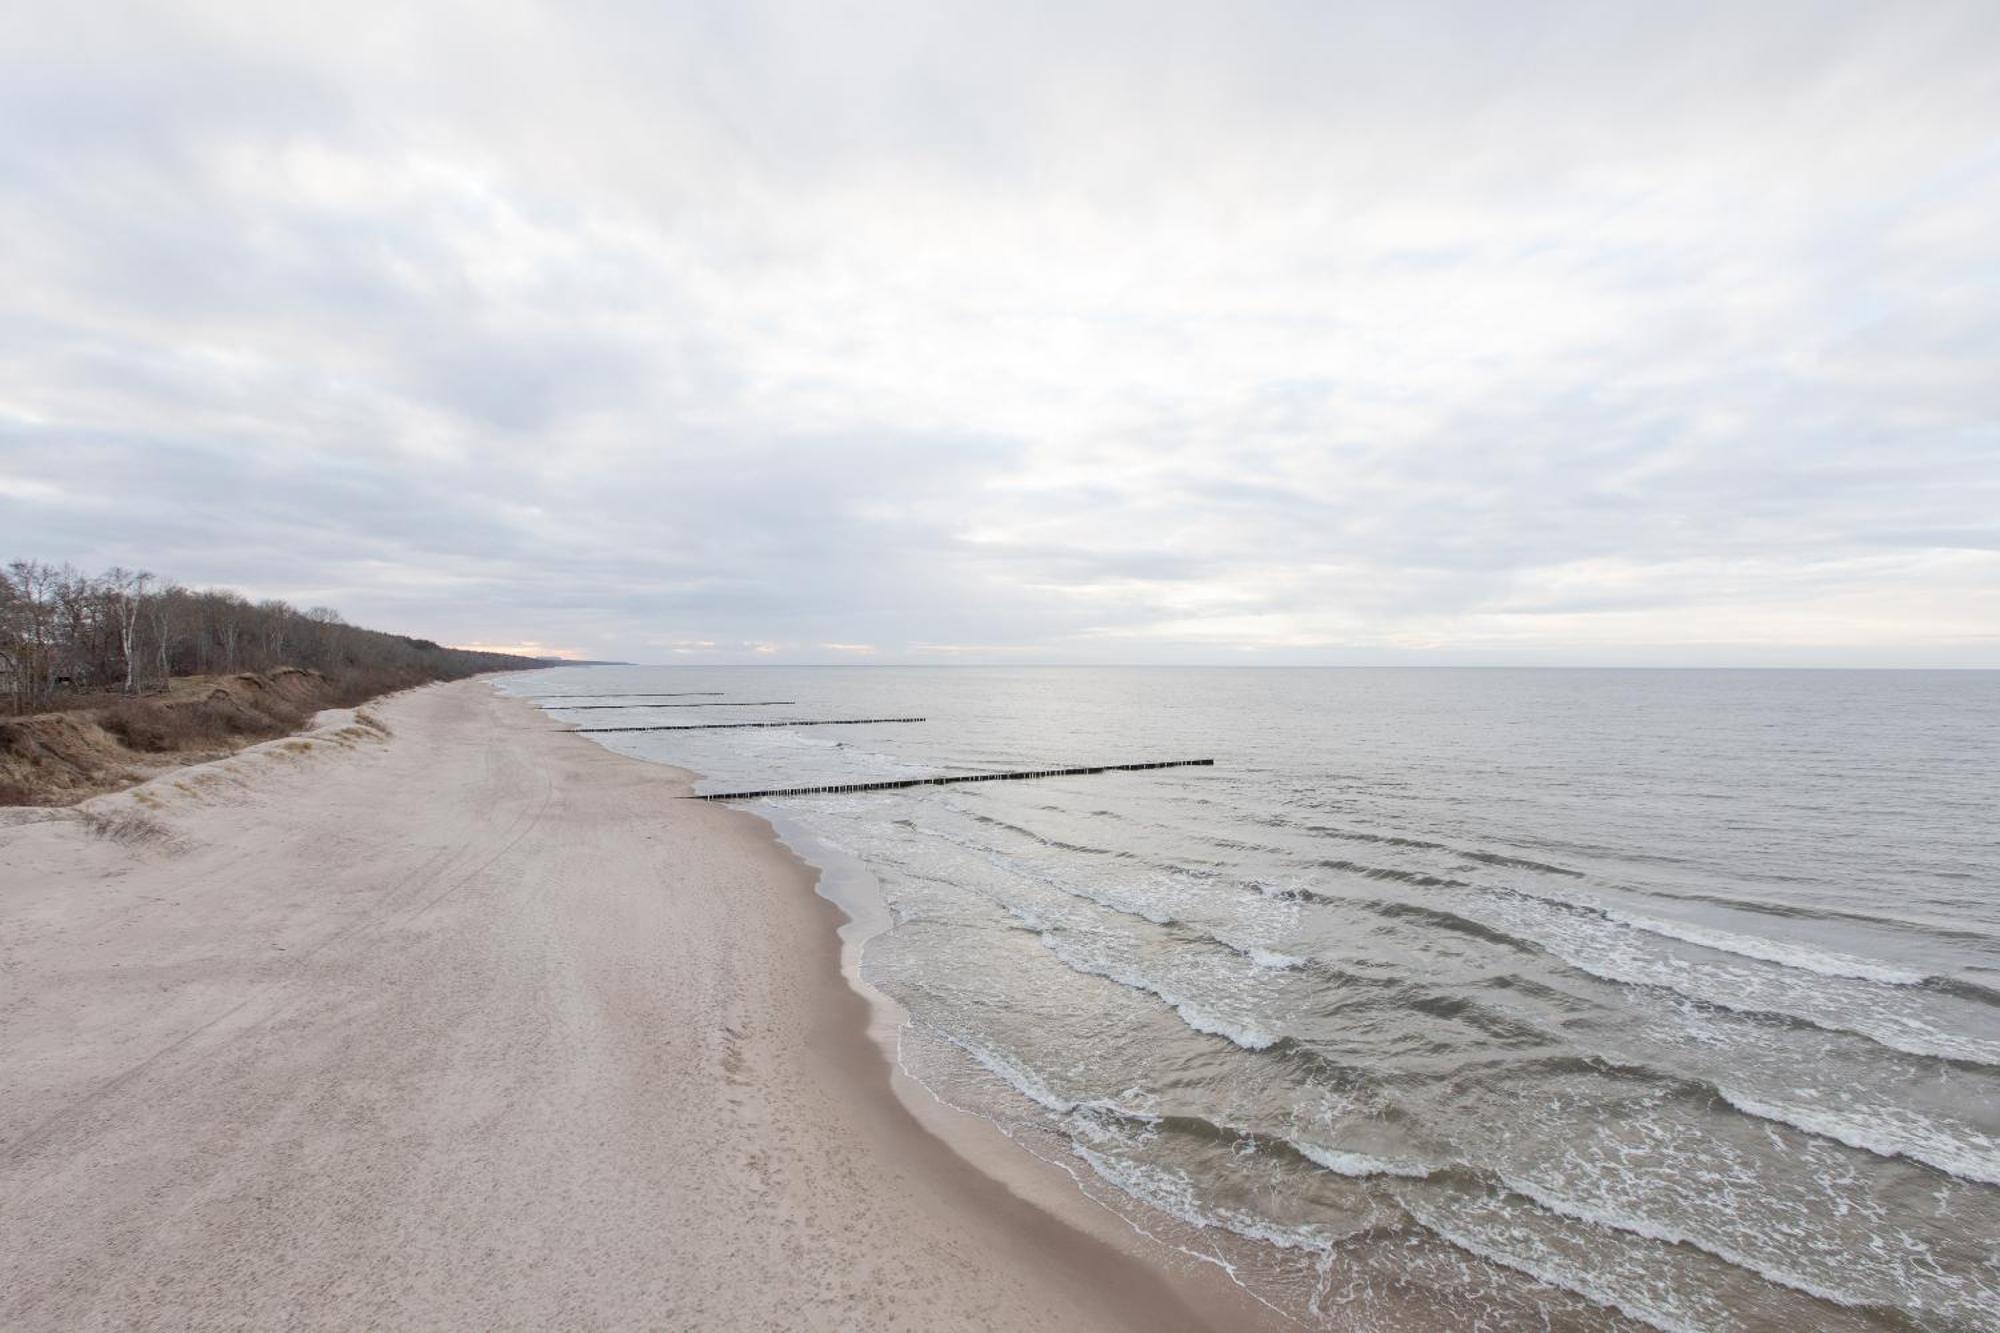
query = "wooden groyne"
{"x": 940, "y": 782}
{"x": 740, "y": 703}
{"x": 732, "y": 726}
{"x": 636, "y": 694}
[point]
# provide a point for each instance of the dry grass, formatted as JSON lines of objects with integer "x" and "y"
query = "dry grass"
{"x": 54, "y": 759}
{"x": 222, "y": 718}
{"x": 131, "y": 828}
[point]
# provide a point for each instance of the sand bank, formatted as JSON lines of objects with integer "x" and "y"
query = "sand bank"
{"x": 473, "y": 1025}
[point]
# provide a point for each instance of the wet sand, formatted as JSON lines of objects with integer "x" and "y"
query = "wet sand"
{"x": 475, "y": 1025}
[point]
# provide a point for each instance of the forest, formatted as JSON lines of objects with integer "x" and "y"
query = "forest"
{"x": 69, "y": 638}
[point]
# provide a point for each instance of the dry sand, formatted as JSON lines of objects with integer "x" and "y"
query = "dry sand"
{"x": 476, "y": 1026}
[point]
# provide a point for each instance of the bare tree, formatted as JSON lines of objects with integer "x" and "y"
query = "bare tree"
{"x": 126, "y": 593}
{"x": 35, "y": 587}
{"x": 163, "y": 611}
{"x": 15, "y": 639}
{"x": 59, "y": 627}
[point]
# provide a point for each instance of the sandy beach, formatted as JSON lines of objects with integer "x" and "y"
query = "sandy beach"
{"x": 435, "y": 1018}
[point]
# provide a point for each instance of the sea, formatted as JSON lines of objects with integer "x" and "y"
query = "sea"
{"x": 1444, "y": 999}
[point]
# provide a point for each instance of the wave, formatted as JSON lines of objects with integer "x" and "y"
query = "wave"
{"x": 1261, "y": 955}
{"x": 1906, "y": 1035}
{"x": 1890, "y": 1132}
{"x": 1042, "y": 839}
{"x": 1247, "y": 1035}
{"x": 1681, "y": 1296}
{"x": 1962, "y": 989}
{"x": 1821, "y": 912}
{"x": 1418, "y": 877}
{"x": 1550, "y": 1271}
{"x": 1925, "y": 1042}
{"x": 1501, "y": 859}
{"x": 1343, "y": 1162}
{"x": 1648, "y": 1229}
{"x": 1781, "y": 953}
{"x": 1758, "y": 948}
{"x": 1967, "y": 1155}
{"x": 1358, "y": 1166}
{"x": 1171, "y": 1192}
{"x": 1887, "y": 1132}
{"x": 1825, "y": 963}
{"x": 1271, "y": 960}
{"x": 1934, "y": 1151}
{"x": 1339, "y": 1161}
{"x": 1023, "y": 1081}
{"x": 1465, "y": 1010}
{"x": 1521, "y": 863}
{"x": 1443, "y": 920}
{"x": 1873, "y": 1134}
{"x": 1356, "y": 835}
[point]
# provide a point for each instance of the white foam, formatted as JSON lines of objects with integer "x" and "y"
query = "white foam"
{"x": 1894, "y": 1018}
{"x": 1896, "y": 1032}
{"x": 1823, "y": 962}
{"x": 1249, "y": 1036}
{"x": 1359, "y": 1166}
{"x": 1670, "y": 1235}
{"x": 1173, "y": 1193}
{"x": 1515, "y": 1250}
{"x": 1964, "y": 1153}
{"x": 1019, "y": 1079}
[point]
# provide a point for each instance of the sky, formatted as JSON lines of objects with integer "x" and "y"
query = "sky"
{"x": 1469, "y": 334}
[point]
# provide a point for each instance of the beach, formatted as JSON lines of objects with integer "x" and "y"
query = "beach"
{"x": 434, "y": 1017}
{"x": 1443, "y": 999}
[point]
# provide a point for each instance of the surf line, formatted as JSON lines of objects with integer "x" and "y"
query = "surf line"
{"x": 944, "y": 781}
{"x": 740, "y": 703}
{"x": 731, "y": 726}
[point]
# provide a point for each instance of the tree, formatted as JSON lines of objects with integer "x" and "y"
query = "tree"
{"x": 62, "y": 628}
{"x": 127, "y": 596}
{"x": 35, "y": 591}
{"x": 164, "y": 612}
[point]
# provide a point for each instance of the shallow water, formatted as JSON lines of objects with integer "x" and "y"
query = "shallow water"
{"x": 1447, "y": 998}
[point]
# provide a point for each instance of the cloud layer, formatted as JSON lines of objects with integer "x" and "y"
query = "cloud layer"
{"x": 1104, "y": 332}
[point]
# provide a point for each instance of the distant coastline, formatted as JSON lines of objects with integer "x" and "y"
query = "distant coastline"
{"x": 109, "y": 679}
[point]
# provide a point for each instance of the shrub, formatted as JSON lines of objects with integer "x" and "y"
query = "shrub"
{"x": 131, "y": 827}
{"x": 154, "y": 728}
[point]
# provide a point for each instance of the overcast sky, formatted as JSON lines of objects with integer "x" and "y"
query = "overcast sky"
{"x": 1130, "y": 332}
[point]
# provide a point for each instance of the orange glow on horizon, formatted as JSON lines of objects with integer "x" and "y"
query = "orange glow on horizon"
{"x": 528, "y": 649}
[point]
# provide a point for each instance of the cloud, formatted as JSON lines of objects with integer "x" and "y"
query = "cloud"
{"x": 1099, "y": 332}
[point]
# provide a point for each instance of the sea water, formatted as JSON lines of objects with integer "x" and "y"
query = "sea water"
{"x": 1446, "y": 999}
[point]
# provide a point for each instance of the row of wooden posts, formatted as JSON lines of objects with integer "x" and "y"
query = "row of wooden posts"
{"x": 1023, "y": 775}
{"x": 732, "y": 726}
{"x": 741, "y": 703}
{"x": 636, "y": 694}
{"x": 837, "y": 787}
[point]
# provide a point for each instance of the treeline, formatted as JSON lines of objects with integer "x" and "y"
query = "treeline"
{"x": 67, "y": 635}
